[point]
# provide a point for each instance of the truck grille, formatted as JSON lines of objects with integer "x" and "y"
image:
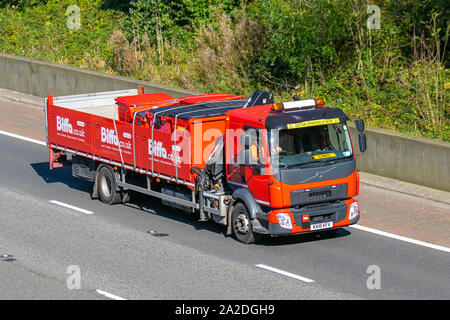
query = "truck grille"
{"x": 317, "y": 206}
{"x": 319, "y": 194}
{"x": 323, "y": 218}
{"x": 316, "y": 195}
{"x": 321, "y": 212}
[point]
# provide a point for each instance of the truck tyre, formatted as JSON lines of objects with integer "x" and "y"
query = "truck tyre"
{"x": 106, "y": 184}
{"x": 242, "y": 225}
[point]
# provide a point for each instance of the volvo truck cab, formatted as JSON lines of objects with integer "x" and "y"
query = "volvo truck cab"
{"x": 293, "y": 168}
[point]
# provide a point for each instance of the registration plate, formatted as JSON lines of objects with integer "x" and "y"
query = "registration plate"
{"x": 323, "y": 225}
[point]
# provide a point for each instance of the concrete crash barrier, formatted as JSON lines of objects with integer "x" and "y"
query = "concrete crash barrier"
{"x": 41, "y": 78}
{"x": 399, "y": 156}
{"x": 389, "y": 154}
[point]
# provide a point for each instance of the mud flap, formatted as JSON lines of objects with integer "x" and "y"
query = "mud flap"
{"x": 95, "y": 188}
{"x": 229, "y": 215}
{"x": 258, "y": 228}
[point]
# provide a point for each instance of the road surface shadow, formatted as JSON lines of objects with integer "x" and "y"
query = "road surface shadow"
{"x": 154, "y": 206}
{"x": 151, "y": 205}
{"x": 61, "y": 175}
{"x": 304, "y": 238}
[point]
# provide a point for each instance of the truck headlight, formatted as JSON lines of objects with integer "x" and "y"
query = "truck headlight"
{"x": 284, "y": 220}
{"x": 354, "y": 211}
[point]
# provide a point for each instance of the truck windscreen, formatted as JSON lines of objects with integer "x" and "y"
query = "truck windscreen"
{"x": 317, "y": 144}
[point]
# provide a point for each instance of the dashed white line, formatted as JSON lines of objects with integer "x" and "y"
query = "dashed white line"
{"x": 284, "y": 273}
{"x": 401, "y": 238}
{"x": 65, "y": 205}
{"x": 109, "y": 295}
{"x": 13, "y": 135}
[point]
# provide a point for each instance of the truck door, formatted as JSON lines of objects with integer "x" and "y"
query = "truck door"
{"x": 253, "y": 177}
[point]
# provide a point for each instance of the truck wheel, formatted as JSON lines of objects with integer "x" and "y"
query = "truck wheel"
{"x": 242, "y": 226}
{"x": 107, "y": 186}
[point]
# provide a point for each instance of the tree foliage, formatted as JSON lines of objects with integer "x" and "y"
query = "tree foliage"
{"x": 395, "y": 77}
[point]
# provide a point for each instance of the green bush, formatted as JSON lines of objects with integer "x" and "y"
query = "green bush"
{"x": 395, "y": 77}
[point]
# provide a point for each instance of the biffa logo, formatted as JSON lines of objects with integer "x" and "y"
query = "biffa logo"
{"x": 155, "y": 148}
{"x": 108, "y": 136}
{"x": 63, "y": 124}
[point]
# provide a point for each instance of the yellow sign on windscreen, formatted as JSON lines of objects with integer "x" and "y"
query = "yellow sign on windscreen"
{"x": 312, "y": 123}
{"x": 324, "y": 156}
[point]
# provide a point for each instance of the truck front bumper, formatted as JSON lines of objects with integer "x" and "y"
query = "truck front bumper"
{"x": 333, "y": 216}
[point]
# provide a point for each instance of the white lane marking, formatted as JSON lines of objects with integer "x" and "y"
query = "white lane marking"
{"x": 406, "y": 239}
{"x": 284, "y": 273}
{"x": 109, "y": 295}
{"x": 13, "y": 135}
{"x": 62, "y": 204}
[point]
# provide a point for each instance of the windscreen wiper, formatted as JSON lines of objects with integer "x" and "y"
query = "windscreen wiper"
{"x": 319, "y": 163}
{"x": 296, "y": 165}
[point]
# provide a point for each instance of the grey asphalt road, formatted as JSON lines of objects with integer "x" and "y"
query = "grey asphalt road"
{"x": 183, "y": 259}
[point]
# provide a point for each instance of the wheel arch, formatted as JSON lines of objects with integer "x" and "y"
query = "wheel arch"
{"x": 245, "y": 196}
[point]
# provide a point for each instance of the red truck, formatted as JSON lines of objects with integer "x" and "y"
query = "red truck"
{"x": 255, "y": 166}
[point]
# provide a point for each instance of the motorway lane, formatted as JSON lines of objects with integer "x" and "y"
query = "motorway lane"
{"x": 111, "y": 247}
{"x": 338, "y": 264}
{"x": 386, "y": 204}
{"x": 46, "y": 240}
{"x": 34, "y": 286}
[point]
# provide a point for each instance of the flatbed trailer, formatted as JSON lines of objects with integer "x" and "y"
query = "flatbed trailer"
{"x": 194, "y": 154}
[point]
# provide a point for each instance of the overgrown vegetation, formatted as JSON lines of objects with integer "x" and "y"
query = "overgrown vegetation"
{"x": 395, "y": 77}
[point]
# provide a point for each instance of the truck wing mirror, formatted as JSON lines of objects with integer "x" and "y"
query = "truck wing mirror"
{"x": 359, "y": 125}
{"x": 362, "y": 142}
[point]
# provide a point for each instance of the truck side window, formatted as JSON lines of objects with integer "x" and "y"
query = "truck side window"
{"x": 257, "y": 146}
